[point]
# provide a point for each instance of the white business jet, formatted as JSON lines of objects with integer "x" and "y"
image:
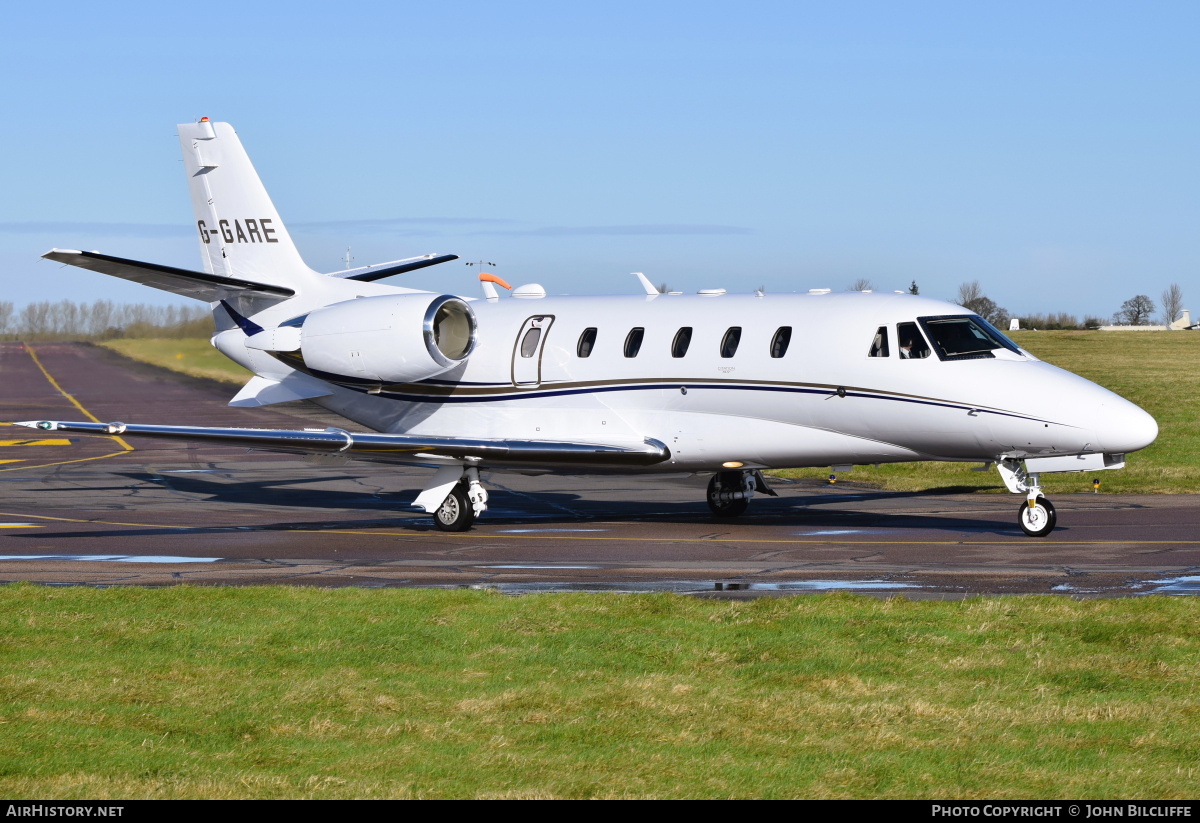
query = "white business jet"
{"x": 724, "y": 384}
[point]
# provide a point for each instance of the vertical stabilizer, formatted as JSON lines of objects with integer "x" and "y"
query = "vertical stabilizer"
{"x": 240, "y": 232}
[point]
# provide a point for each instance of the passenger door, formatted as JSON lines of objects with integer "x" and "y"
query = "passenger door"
{"x": 527, "y": 350}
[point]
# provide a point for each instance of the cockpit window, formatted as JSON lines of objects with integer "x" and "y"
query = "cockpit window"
{"x": 964, "y": 338}
{"x": 879, "y": 346}
{"x": 912, "y": 344}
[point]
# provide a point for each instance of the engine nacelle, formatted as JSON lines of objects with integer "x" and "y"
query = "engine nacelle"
{"x": 389, "y": 339}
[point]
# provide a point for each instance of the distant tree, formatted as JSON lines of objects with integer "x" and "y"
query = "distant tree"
{"x": 861, "y": 284}
{"x": 6, "y": 313}
{"x": 1136, "y": 311}
{"x": 1172, "y": 303}
{"x": 1090, "y": 322}
{"x": 971, "y": 296}
{"x": 663, "y": 288}
{"x": 913, "y": 288}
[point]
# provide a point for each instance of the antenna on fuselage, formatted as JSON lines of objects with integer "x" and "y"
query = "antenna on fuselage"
{"x": 486, "y": 279}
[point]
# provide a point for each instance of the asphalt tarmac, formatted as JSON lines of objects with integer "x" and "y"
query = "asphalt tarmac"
{"x": 91, "y": 511}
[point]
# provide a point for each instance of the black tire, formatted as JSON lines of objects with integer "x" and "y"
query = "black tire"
{"x": 732, "y": 508}
{"x": 455, "y": 514}
{"x": 1037, "y": 520}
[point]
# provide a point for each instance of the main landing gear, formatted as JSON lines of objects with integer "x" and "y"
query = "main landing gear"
{"x": 455, "y": 497}
{"x": 1036, "y": 516}
{"x": 729, "y": 493}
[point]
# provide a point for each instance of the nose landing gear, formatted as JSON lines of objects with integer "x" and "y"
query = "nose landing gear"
{"x": 1036, "y": 517}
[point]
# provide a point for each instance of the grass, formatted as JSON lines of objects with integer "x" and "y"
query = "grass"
{"x": 1160, "y": 371}
{"x": 192, "y": 356}
{"x": 290, "y": 692}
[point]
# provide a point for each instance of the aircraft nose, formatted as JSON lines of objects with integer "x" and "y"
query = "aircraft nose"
{"x": 1125, "y": 427}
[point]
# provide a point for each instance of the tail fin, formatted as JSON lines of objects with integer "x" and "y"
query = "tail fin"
{"x": 241, "y": 234}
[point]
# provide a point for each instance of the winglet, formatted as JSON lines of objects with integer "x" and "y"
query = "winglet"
{"x": 646, "y": 284}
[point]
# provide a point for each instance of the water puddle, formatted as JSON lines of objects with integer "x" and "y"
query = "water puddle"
{"x": 1188, "y": 584}
{"x": 111, "y": 558}
{"x": 542, "y": 566}
{"x": 692, "y": 586}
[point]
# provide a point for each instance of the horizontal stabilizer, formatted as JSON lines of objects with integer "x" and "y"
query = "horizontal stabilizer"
{"x": 368, "y": 274}
{"x": 199, "y": 285}
{"x": 263, "y": 392}
{"x": 386, "y": 448}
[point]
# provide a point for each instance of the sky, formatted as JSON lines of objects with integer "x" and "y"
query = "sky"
{"x": 1045, "y": 149}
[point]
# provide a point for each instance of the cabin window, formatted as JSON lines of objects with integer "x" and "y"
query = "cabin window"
{"x": 729, "y": 342}
{"x": 633, "y": 341}
{"x": 879, "y": 346}
{"x": 912, "y": 344}
{"x": 683, "y": 339}
{"x": 529, "y": 342}
{"x": 965, "y": 338}
{"x": 781, "y": 340}
{"x": 586, "y": 341}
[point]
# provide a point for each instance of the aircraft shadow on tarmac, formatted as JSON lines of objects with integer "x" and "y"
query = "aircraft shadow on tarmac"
{"x": 546, "y": 507}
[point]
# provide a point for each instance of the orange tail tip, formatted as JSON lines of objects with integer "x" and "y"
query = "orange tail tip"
{"x": 491, "y": 278}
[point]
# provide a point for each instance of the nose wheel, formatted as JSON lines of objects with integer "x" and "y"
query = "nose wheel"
{"x": 1037, "y": 517}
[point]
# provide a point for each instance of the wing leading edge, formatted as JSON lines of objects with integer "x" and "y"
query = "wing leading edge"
{"x": 199, "y": 285}
{"x": 386, "y": 448}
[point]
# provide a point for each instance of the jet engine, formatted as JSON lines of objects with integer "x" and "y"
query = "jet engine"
{"x": 389, "y": 339}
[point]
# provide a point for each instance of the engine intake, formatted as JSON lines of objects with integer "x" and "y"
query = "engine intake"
{"x": 389, "y": 339}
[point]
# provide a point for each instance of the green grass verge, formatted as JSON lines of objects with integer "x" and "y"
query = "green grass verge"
{"x": 289, "y": 692}
{"x": 193, "y": 356}
{"x": 1160, "y": 371}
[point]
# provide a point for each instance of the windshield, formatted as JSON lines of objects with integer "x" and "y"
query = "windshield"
{"x": 961, "y": 338}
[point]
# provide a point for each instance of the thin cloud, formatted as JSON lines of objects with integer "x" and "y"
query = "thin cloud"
{"x": 402, "y": 225}
{"x": 64, "y": 227}
{"x": 643, "y": 229}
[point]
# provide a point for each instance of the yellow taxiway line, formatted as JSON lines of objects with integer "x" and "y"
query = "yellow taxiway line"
{"x": 125, "y": 447}
{"x": 614, "y": 538}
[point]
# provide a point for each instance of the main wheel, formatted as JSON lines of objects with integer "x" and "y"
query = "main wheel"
{"x": 1037, "y": 520}
{"x": 718, "y": 483}
{"x": 455, "y": 514}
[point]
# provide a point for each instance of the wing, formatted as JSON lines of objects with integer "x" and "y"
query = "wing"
{"x": 381, "y": 270}
{"x": 200, "y": 285}
{"x": 388, "y": 448}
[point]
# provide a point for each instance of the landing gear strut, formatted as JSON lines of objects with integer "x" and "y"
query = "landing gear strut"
{"x": 1036, "y": 516}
